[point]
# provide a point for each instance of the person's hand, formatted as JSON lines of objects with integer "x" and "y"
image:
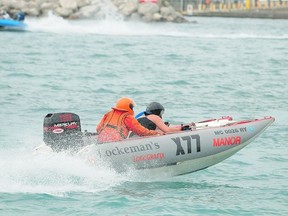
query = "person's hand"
{"x": 185, "y": 127}
{"x": 192, "y": 126}
{"x": 161, "y": 133}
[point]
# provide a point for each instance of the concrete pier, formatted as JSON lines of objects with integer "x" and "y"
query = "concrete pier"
{"x": 269, "y": 9}
{"x": 279, "y": 13}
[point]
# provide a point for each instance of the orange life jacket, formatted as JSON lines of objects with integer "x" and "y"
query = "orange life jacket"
{"x": 112, "y": 127}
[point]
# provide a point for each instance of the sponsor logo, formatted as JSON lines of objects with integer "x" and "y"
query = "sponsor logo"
{"x": 66, "y": 124}
{"x": 58, "y": 130}
{"x": 148, "y": 157}
{"x": 129, "y": 150}
{"x": 226, "y": 141}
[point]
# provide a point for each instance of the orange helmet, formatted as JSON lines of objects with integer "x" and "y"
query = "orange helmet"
{"x": 125, "y": 104}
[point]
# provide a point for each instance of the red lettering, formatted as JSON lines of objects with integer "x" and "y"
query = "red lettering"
{"x": 226, "y": 141}
{"x": 148, "y": 157}
{"x": 237, "y": 140}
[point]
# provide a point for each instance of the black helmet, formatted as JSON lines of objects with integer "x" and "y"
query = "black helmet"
{"x": 155, "y": 108}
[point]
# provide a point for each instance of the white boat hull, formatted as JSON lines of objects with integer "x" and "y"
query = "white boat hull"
{"x": 179, "y": 153}
{"x": 209, "y": 143}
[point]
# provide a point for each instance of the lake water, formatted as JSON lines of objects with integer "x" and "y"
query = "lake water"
{"x": 215, "y": 67}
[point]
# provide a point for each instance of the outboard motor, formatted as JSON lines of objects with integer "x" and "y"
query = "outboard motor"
{"x": 62, "y": 131}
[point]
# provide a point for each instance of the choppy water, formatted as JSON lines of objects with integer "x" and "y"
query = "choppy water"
{"x": 214, "y": 68}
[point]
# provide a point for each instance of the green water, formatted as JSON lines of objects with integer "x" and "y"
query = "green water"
{"x": 214, "y": 68}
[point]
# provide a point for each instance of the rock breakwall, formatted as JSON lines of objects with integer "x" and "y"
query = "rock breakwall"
{"x": 140, "y": 10}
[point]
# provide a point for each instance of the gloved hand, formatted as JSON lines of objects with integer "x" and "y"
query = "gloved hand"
{"x": 185, "y": 127}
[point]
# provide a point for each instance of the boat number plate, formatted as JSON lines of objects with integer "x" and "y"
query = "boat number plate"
{"x": 184, "y": 144}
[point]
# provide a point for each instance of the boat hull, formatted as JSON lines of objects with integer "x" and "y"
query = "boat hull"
{"x": 9, "y": 24}
{"x": 177, "y": 153}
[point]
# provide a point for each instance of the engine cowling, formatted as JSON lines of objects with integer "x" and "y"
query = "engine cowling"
{"x": 62, "y": 131}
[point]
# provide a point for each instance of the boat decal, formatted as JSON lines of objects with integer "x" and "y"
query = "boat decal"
{"x": 116, "y": 151}
{"x": 58, "y": 130}
{"x": 148, "y": 157}
{"x": 67, "y": 124}
{"x": 182, "y": 142}
{"x": 251, "y": 129}
{"x": 232, "y": 131}
{"x": 65, "y": 117}
{"x": 64, "y": 125}
{"x": 226, "y": 141}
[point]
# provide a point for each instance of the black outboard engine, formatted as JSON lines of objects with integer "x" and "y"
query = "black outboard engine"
{"x": 62, "y": 131}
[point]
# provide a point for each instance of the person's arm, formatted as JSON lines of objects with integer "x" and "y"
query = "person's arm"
{"x": 161, "y": 125}
{"x": 133, "y": 125}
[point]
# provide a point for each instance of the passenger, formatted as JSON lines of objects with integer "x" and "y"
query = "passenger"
{"x": 116, "y": 124}
{"x": 20, "y": 16}
{"x": 153, "y": 119}
{"x": 4, "y": 15}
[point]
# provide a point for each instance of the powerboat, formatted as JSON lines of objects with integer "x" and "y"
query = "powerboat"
{"x": 205, "y": 144}
{"x": 11, "y": 24}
